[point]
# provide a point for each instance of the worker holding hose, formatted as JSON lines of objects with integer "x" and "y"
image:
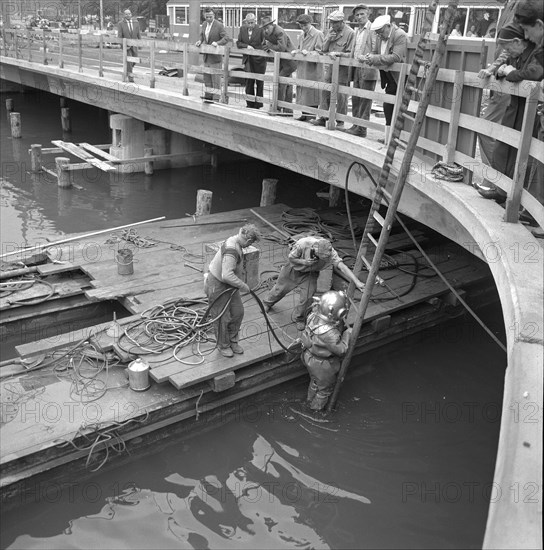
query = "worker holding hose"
{"x": 223, "y": 285}
{"x": 308, "y": 256}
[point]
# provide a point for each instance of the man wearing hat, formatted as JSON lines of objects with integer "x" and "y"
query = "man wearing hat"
{"x": 308, "y": 256}
{"x": 252, "y": 38}
{"x": 276, "y": 40}
{"x": 364, "y": 77}
{"x": 338, "y": 43}
{"x": 391, "y": 47}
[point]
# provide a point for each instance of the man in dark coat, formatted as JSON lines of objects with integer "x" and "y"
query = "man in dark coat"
{"x": 252, "y": 38}
{"x": 129, "y": 29}
{"x": 213, "y": 33}
{"x": 276, "y": 39}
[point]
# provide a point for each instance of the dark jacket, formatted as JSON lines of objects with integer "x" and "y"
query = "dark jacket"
{"x": 252, "y": 63}
{"x": 124, "y": 32}
{"x": 279, "y": 41}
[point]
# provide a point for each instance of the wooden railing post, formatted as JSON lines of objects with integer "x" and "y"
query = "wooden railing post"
{"x": 101, "y": 56}
{"x": 61, "y": 60}
{"x": 333, "y": 97}
{"x": 225, "y": 87}
{"x": 152, "y": 64}
{"x": 80, "y": 52}
{"x": 185, "y": 68}
{"x": 522, "y": 159}
{"x": 125, "y": 73}
{"x": 275, "y": 83}
{"x": 44, "y": 48}
{"x": 455, "y": 111}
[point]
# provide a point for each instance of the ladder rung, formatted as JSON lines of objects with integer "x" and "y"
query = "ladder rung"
{"x": 412, "y": 89}
{"x": 372, "y": 240}
{"x": 378, "y": 217}
{"x": 400, "y": 143}
{"x": 387, "y": 194}
{"x": 408, "y": 117}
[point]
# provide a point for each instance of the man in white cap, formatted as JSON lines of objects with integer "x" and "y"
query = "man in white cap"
{"x": 364, "y": 77}
{"x": 277, "y": 40}
{"x": 391, "y": 47}
{"x": 338, "y": 43}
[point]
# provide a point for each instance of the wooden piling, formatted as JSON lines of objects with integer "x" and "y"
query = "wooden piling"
{"x": 335, "y": 196}
{"x": 63, "y": 174}
{"x": 15, "y": 121}
{"x": 268, "y": 195}
{"x": 36, "y": 157}
{"x": 65, "y": 119}
{"x": 63, "y": 102}
{"x": 148, "y": 166}
{"x": 203, "y": 202}
{"x": 9, "y": 106}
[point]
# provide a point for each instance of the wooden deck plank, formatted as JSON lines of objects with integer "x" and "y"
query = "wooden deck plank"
{"x": 96, "y": 151}
{"x": 82, "y": 154}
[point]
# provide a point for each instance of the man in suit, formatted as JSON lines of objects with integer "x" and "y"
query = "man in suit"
{"x": 277, "y": 40}
{"x": 391, "y": 47}
{"x": 213, "y": 33}
{"x": 129, "y": 29}
{"x": 364, "y": 78}
{"x": 252, "y": 38}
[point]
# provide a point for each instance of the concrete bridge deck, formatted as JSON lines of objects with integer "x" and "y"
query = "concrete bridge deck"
{"x": 456, "y": 210}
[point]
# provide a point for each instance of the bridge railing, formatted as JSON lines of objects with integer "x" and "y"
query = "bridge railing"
{"x": 450, "y": 131}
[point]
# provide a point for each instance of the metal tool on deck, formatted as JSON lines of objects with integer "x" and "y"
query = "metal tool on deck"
{"x": 374, "y": 218}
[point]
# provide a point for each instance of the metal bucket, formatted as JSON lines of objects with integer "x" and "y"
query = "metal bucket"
{"x": 138, "y": 375}
{"x": 124, "y": 262}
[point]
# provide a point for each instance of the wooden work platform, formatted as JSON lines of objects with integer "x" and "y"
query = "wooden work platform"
{"x": 47, "y": 422}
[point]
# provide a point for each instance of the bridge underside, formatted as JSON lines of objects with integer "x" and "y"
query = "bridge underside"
{"x": 313, "y": 152}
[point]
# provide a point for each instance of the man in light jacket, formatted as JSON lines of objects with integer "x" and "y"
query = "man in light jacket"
{"x": 213, "y": 33}
{"x": 391, "y": 47}
{"x": 130, "y": 29}
{"x": 364, "y": 77}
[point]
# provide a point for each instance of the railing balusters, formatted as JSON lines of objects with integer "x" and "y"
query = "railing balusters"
{"x": 80, "y": 52}
{"x": 101, "y": 56}
{"x": 333, "y": 96}
{"x": 152, "y": 64}
{"x": 61, "y": 59}
{"x": 225, "y": 87}
{"x": 275, "y": 83}
{"x": 514, "y": 200}
{"x": 185, "y": 68}
{"x": 455, "y": 107}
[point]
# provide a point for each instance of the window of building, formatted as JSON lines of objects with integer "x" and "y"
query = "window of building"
{"x": 181, "y": 16}
{"x": 287, "y": 17}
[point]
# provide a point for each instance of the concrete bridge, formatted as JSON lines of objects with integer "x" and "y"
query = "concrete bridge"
{"x": 68, "y": 68}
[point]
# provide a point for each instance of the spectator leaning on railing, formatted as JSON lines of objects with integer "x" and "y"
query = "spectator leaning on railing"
{"x": 529, "y": 15}
{"x": 310, "y": 40}
{"x": 338, "y": 43}
{"x": 391, "y": 47}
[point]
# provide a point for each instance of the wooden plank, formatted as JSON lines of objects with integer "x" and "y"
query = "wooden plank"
{"x": 82, "y": 154}
{"x": 455, "y": 112}
{"x": 97, "y": 151}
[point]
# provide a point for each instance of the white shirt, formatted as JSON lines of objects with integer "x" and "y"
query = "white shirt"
{"x": 208, "y": 29}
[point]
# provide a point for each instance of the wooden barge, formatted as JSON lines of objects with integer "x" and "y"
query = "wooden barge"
{"x": 54, "y": 421}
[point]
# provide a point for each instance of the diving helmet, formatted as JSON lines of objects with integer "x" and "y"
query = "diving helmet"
{"x": 333, "y": 306}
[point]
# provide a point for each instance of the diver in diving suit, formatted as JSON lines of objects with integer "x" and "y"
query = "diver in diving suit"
{"x": 325, "y": 340}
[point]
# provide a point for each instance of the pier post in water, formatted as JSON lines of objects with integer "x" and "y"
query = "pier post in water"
{"x": 268, "y": 195}
{"x": 9, "y": 107}
{"x": 15, "y": 121}
{"x": 335, "y": 196}
{"x": 63, "y": 174}
{"x": 148, "y": 167}
{"x": 203, "y": 202}
{"x": 36, "y": 157}
{"x": 65, "y": 119}
{"x": 63, "y": 102}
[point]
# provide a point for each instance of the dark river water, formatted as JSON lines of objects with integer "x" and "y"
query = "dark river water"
{"x": 406, "y": 462}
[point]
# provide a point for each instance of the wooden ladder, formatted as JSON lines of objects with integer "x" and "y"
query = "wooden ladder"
{"x": 374, "y": 218}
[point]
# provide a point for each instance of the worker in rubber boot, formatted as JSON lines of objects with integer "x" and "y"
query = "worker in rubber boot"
{"x": 308, "y": 256}
{"x": 223, "y": 285}
{"x": 325, "y": 341}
